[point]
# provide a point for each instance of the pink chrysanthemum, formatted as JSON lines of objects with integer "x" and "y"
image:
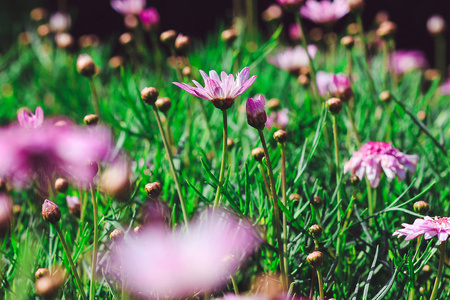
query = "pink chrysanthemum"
{"x": 375, "y": 157}
{"x": 28, "y": 120}
{"x": 128, "y": 7}
{"x": 293, "y": 59}
{"x": 324, "y": 12}
{"x": 161, "y": 263}
{"x": 403, "y": 61}
{"x": 221, "y": 91}
{"x": 428, "y": 227}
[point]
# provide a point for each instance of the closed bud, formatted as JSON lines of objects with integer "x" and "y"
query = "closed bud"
{"x": 187, "y": 71}
{"x": 315, "y": 259}
{"x": 137, "y": 229}
{"x": 91, "y": 120}
{"x": 85, "y": 65}
{"x": 280, "y": 136}
{"x": 125, "y": 38}
{"x": 354, "y": 180}
{"x": 385, "y": 96}
{"x": 116, "y": 235}
{"x": 258, "y": 154}
{"x": 273, "y": 12}
{"x": 317, "y": 202}
{"x": 421, "y": 115}
{"x": 315, "y": 231}
{"x": 182, "y": 43}
{"x": 387, "y": 29}
{"x": 168, "y": 37}
{"x": 149, "y": 95}
{"x": 334, "y": 105}
{"x": 432, "y": 74}
{"x": 352, "y": 29}
{"x": 43, "y": 30}
{"x": 230, "y": 143}
{"x": 74, "y": 205}
{"x": 229, "y": 36}
{"x": 48, "y": 286}
{"x": 256, "y": 113}
{"x": 51, "y": 212}
{"x": 115, "y": 62}
{"x": 303, "y": 80}
{"x": 130, "y": 21}
{"x": 421, "y": 207}
{"x": 61, "y": 185}
{"x": 64, "y": 40}
{"x": 426, "y": 269}
{"x": 163, "y": 104}
{"x": 295, "y": 197}
{"x": 348, "y": 41}
{"x": 41, "y": 272}
{"x": 436, "y": 25}
{"x": 153, "y": 189}
{"x": 274, "y": 104}
{"x": 381, "y": 16}
{"x": 38, "y": 13}
{"x": 355, "y": 5}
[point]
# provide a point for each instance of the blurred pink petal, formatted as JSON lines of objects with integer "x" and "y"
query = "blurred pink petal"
{"x": 149, "y": 17}
{"x": 324, "y": 12}
{"x": 428, "y": 227}
{"x": 293, "y": 59}
{"x": 403, "y": 61}
{"x": 127, "y": 7}
{"x": 29, "y": 120}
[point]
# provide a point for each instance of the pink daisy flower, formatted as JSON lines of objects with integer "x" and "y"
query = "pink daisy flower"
{"x": 324, "y": 12}
{"x": 403, "y": 61}
{"x": 28, "y": 120}
{"x": 128, "y": 7}
{"x": 293, "y": 59}
{"x": 428, "y": 227}
{"x": 278, "y": 119}
{"x": 336, "y": 85}
{"x": 221, "y": 91}
{"x": 375, "y": 157}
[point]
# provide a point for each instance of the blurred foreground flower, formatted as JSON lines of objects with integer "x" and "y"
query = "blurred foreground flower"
{"x": 149, "y": 18}
{"x": 158, "y": 263}
{"x": 336, "y": 85}
{"x": 293, "y": 59}
{"x": 60, "y": 22}
{"x": 445, "y": 88}
{"x": 29, "y": 120}
{"x": 221, "y": 91}
{"x": 324, "y": 12}
{"x": 403, "y": 61}
{"x": 126, "y": 7}
{"x": 278, "y": 119}
{"x": 375, "y": 157}
{"x": 428, "y": 227}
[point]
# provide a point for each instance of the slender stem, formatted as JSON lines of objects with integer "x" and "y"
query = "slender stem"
{"x": 276, "y": 213}
{"x": 235, "y": 286}
{"x": 283, "y": 189}
{"x": 263, "y": 174}
{"x": 440, "y": 268}
{"x": 177, "y": 69}
{"x": 94, "y": 97}
{"x": 349, "y": 63}
{"x": 172, "y": 167}
{"x": 95, "y": 248}
{"x": 224, "y": 159}
{"x": 313, "y": 283}
{"x": 352, "y": 123}
{"x": 320, "y": 281}
{"x": 439, "y": 48}
{"x": 336, "y": 156}
{"x": 69, "y": 258}
{"x": 158, "y": 55}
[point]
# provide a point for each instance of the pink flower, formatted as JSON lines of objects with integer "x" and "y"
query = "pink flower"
{"x": 445, "y": 88}
{"x": 295, "y": 33}
{"x": 293, "y": 59}
{"x": 158, "y": 262}
{"x": 290, "y": 5}
{"x": 257, "y": 297}
{"x": 428, "y": 227}
{"x": 256, "y": 111}
{"x": 28, "y": 120}
{"x": 375, "y": 157}
{"x": 403, "y": 61}
{"x": 128, "y": 7}
{"x": 324, "y": 12}
{"x": 336, "y": 85}
{"x": 221, "y": 91}
{"x": 278, "y": 119}
{"x": 149, "y": 18}
{"x": 435, "y": 24}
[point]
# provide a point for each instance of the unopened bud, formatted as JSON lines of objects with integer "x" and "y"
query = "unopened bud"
{"x": 116, "y": 235}
{"x": 230, "y": 143}
{"x": 348, "y": 41}
{"x": 421, "y": 115}
{"x": 41, "y": 272}
{"x": 229, "y": 36}
{"x": 385, "y": 96}
{"x": 315, "y": 259}
{"x": 64, "y": 40}
{"x": 303, "y": 80}
{"x": 436, "y": 25}
{"x": 48, "y": 286}
{"x": 421, "y": 207}
{"x": 130, "y": 21}
{"x": 352, "y": 29}
{"x": 295, "y": 197}
{"x": 61, "y": 185}
{"x": 38, "y": 13}
{"x": 280, "y": 136}
{"x": 43, "y": 30}
{"x": 125, "y": 38}
{"x": 149, "y": 95}
{"x": 168, "y": 37}
{"x": 315, "y": 231}
{"x": 273, "y": 12}
{"x": 115, "y": 61}
{"x": 51, "y": 212}
{"x": 354, "y": 180}
{"x": 426, "y": 268}
{"x": 137, "y": 229}
{"x": 317, "y": 202}
{"x": 431, "y": 74}
{"x": 334, "y": 105}
{"x": 182, "y": 43}
{"x": 91, "y": 120}
{"x": 386, "y": 29}
{"x": 163, "y": 104}
{"x": 258, "y": 154}
{"x": 274, "y": 104}
{"x": 153, "y": 189}
{"x": 381, "y": 16}
{"x": 85, "y": 65}
{"x": 187, "y": 71}
{"x": 74, "y": 204}
{"x": 355, "y": 5}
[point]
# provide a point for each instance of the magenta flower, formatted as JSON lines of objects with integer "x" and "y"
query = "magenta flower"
{"x": 278, "y": 119}
{"x": 375, "y": 157}
{"x": 221, "y": 91}
{"x": 428, "y": 227}
{"x": 293, "y": 59}
{"x": 28, "y": 120}
{"x": 158, "y": 262}
{"x": 256, "y": 111}
{"x": 324, "y": 12}
{"x": 149, "y": 18}
{"x": 295, "y": 33}
{"x": 128, "y": 7}
{"x": 445, "y": 88}
{"x": 403, "y": 61}
{"x": 336, "y": 85}
{"x": 291, "y": 5}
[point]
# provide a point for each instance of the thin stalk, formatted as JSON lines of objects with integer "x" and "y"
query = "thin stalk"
{"x": 313, "y": 283}
{"x": 69, "y": 258}
{"x": 263, "y": 174}
{"x": 177, "y": 69}
{"x": 95, "y": 248}
{"x": 349, "y": 63}
{"x": 235, "y": 286}
{"x": 276, "y": 213}
{"x": 320, "y": 281}
{"x": 284, "y": 189}
{"x": 438, "y": 279}
{"x": 224, "y": 159}
{"x": 94, "y": 97}
{"x": 171, "y": 165}
{"x": 440, "y": 54}
{"x": 336, "y": 156}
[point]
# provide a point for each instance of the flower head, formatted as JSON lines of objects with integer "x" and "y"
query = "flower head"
{"x": 127, "y": 7}
{"x": 375, "y": 157}
{"x": 445, "y": 88}
{"x": 60, "y": 22}
{"x": 324, "y": 12}
{"x": 179, "y": 264}
{"x": 149, "y": 18}
{"x": 256, "y": 111}
{"x": 291, "y": 5}
{"x": 337, "y": 85}
{"x": 221, "y": 91}
{"x": 295, "y": 33}
{"x": 278, "y": 119}
{"x": 428, "y": 227}
{"x": 436, "y": 25}
{"x": 293, "y": 59}
{"x": 28, "y": 120}
{"x": 403, "y": 61}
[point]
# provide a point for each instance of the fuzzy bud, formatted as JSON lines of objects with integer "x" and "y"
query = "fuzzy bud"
{"x": 381, "y": 16}
{"x": 182, "y": 43}
{"x": 116, "y": 235}
{"x": 48, "y": 286}
{"x": 61, "y": 185}
{"x": 315, "y": 259}
{"x": 74, "y": 204}
{"x": 50, "y": 212}
{"x": 38, "y": 14}
{"x": 387, "y": 29}
{"x": 432, "y": 74}
{"x": 41, "y": 272}
{"x": 163, "y": 104}
{"x": 230, "y": 143}
{"x": 91, "y": 120}
{"x": 187, "y": 71}
{"x": 149, "y": 95}
{"x": 291, "y": 5}
{"x": 229, "y": 36}
{"x": 115, "y": 61}
{"x": 85, "y": 65}
{"x": 354, "y": 180}
{"x": 352, "y": 29}
{"x": 348, "y": 41}
{"x": 421, "y": 207}
{"x": 137, "y": 229}
{"x": 295, "y": 197}
{"x": 436, "y": 25}
{"x": 303, "y": 80}
{"x": 64, "y": 40}
{"x": 272, "y": 13}
{"x": 421, "y": 115}
{"x": 274, "y": 104}
{"x": 125, "y": 38}
{"x": 256, "y": 113}
{"x": 317, "y": 202}
{"x": 153, "y": 189}
{"x": 43, "y": 30}
{"x": 355, "y": 5}
{"x": 258, "y": 154}
{"x": 168, "y": 37}
{"x": 280, "y": 136}
{"x": 385, "y": 96}
{"x": 315, "y": 231}
{"x": 334, "y": 105}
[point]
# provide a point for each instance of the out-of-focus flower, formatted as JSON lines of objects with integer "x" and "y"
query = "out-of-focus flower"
{"x": 28, "y": 120}
{"x": 403, "y": 61}
{"x": 428, "y": 227}
{"x": 60, "y": 22}
{"x": 86, "y": 66}
{"x": 5, "y": 214}
{"x": 337, "y": 85}
{"x": 256, "y": 111}
{"x": 221, "y": 91}
{"x": 295, "y": 33}
{"x": 257, "y": 297}
{"x": 291, "y": 5}
{"x": 38, "y": 14}
{"x": 126, "y": 7}
{"x": 177, "y": 264}
{"x": 324, "y": 12}
{"x": 278, "y": 119}
{"x": 74, "y": 204}
{"x": 115, "y": 180}
{"x": 445, "y": 88}
{"x": 64, "y": 40}
{"x": 375, "y": 157}
{"x": 293, "y": 59}
{"x": 88, "y": 40}
{"x": 149, "y": 18}
{"x": 436, "y": 25}
{"x": 272, "y": 13}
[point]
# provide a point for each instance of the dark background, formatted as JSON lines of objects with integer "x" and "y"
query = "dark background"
{"x": 199, "y": 17}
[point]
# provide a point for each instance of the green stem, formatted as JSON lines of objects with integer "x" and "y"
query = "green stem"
{"x": 276, "y": 213}
{"x": 171, "y": 165}
{"x": 94, "y": 97}
{"x": 95, "y": 248}
{"x": 336, "y": 156}
{"x": 440, "y": 54}
{"x": 352, "y": 123}
{"x": 69, "y": 258}
{"x": 235, "y": 286}
{"x": 440, "y": 268}
{"x": 224, "y": 159}
{"x": 320, "y": 281}
{"x": 263, "y": 174}
{"x": 284, "y": 189}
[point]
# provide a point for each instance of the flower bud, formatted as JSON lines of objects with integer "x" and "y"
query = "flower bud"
{"x": 229, "y": 36}
{"x": 61, "y": 185}
{"x": 51, "y": 212}
{"x": 421, "y": 115}
{"x": 125, "y": 38}
{"x": 38, "y": 14}
{"x": 153, "y": 189}
{"x": 385, "y": 96}
{"x": 387, "y": 29}
{"x": 182, "y": 43}
{"x": 381, "y": 16}
{"x": 256, "y": 113}
{"x": 303, "y": 80}
{"x": 64, "y": 40}
{"x": 43, "y": 30}
{"x": 91, "y": 120}
{"x": 230, "y": 143}
{"x": 431, "y": 74}
{"x": 352, "y": 29}
{"x": 187, "y": 71}
{"x": 280, "y": 136}
{"x": 317, "y": 202}
{"x": 115, "y": 180}
{"x": 291, "y": 5}
{"x": 315, "y": 259}
{"x": 315, "y": 231}
{"x": 334, "y": 105}
{"x": 115, "y": 62}
{"x": 130, "y": 21}
{"x": 85, "y": 65}
{"x": 348, "y": 41}
{"x": 41, "y": 272}
{"x": 116, "y": 235}
{"x": 48, "y": 286}
{"x": 168, "y": 37}
{"x": 421, "y": 207}
{"x": 149, "y": 95}
{"x": 355, "y": 5}
{"x": 272, "y": 13}
{"x": 426, "y": 269}
{"x": 436, "y": 25}
{"x": 274, "y": 104}
{"x": 137, "y": 229}
{"x": 258, "y": 154}
{"x": 74, "y": 204}
{"x": 295, "y": 197}
{"x": 354, "y": 180}
{"x": 163, "y": 104}
{"x": 88, "y": 40}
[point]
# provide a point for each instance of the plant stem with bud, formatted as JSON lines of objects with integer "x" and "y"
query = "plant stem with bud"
{"x": 94, "y": 97}
{"x": 224, "y": 159}
{"x": 284, "y": 189}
